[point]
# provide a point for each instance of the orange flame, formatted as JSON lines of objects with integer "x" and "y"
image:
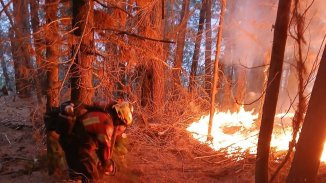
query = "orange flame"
{"x": 238, "y": 132}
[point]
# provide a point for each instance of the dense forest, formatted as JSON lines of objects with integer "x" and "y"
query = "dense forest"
{"x": 222, "y": 91}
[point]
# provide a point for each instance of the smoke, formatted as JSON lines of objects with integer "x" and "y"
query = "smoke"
{"x": 248, "y": 36}
{"x": 249, "y": 27}
{"x": 314, "y": 30}
{"x": 248, "y": 31}
{"x": 248, "y": 39}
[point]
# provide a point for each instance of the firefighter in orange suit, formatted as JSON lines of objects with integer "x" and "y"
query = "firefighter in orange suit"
{"x": 95, "y": 133}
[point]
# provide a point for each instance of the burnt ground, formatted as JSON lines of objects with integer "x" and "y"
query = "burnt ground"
{"x": 158, "y": 153}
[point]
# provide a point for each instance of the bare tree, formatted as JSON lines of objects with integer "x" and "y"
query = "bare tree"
{"x": 310, "y": 146}
{"x": 273, "y": 84}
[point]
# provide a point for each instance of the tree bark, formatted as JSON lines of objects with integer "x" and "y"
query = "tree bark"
{"x": 310, "y": 146}
{"x": 154, "y": 76}
{"x": 195, "y": 58}
{"x": 20, "y": 44}
{"x": 81, "y": 80}
{"x": 54, "y": 151}
{"x": 147, "y": 85}
{"x": 158, "y": 65}
{"x": 52, "y": 55}
{"x": 273, "y": 84}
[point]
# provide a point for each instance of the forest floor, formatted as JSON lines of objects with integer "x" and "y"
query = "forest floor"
{"x": 158, "y": 153}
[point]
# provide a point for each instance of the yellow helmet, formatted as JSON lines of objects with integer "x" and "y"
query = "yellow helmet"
{"x": 124, "y": 111}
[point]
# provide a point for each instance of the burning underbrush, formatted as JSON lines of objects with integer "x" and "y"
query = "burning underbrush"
{"x": 171, "y": 151}
{"x": 237, "y": 133}
{"x": 161, "y": 151}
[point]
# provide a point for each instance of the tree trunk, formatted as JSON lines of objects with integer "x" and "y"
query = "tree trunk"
{"x": 5, "y": 70}
{"x": 4, "y": 65}
{"x": 181, "y": 36}
{"x": 273, "y": 84}
{"x": 81, "y": 80}
{"x": 20, "y": 44}
{"x": 216, "y": 76}
{"x": 158, "y": 65}
{"x": 195, "y": 58}
{"x": 154, "y": 77}
{"x": 312, "y": 137}
{"x": 208, "y": 47}
{"x": 52, "y": 55}
{"x": 54, "y": 152}
{"x": 147, "y": 85}
{"x": 39, "y": 72}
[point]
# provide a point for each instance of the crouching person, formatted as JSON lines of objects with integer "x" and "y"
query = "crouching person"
{"x": 88, "y": 145}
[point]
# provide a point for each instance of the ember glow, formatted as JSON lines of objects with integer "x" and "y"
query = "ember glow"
{"x": 237, "y": 132}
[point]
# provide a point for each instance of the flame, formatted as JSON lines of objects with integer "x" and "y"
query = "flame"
{"x": 238, "y": 132}
{"x": 323, "y": 155}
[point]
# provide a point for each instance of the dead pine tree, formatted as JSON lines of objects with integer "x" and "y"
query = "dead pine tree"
{"x": 272, "y": 90}
{"x": 215, "y": 77}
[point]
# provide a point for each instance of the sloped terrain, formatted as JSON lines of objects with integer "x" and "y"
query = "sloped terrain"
{"x": 157, "y": 153}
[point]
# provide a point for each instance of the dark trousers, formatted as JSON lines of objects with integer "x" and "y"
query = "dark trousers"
{"x": 81, "y": 157}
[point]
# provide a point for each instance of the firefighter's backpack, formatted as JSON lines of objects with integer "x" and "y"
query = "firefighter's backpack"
{"x": 66, "y": 118}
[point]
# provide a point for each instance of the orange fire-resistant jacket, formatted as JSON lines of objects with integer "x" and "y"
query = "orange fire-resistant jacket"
{"x": 100, "y": 124}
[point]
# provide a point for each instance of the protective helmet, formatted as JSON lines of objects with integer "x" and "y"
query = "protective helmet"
{"x": 124, "y": 111}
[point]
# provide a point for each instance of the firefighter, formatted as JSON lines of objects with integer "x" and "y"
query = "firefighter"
{"x": 88, "y": 145}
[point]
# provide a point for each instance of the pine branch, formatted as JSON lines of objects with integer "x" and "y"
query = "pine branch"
{"x": 138, "y": 36}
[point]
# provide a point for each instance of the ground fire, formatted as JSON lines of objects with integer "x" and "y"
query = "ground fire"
{"x": 237, "y": 132}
